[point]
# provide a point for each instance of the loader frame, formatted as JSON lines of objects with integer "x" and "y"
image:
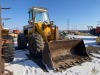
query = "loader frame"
{"x": 44, "y": 41}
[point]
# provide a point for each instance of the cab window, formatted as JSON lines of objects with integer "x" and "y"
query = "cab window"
{"x": 30, "y": 15}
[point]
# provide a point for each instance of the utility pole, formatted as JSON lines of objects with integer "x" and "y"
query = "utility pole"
{"x": 76, "y": 27}
{"x": 72, "y": 27}
{"x": 98, "y": 23}
{"x": 67, "y": 24}
{"x": 90, "y": 28}
{"x": 1, "y": 27}
{"x": 2, "y": 69}
{"x": 0, "y": 33}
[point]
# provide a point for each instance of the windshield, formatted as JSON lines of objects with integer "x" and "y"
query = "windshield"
{"x": 30, "y": 15}
{"x": 41, "y": 16}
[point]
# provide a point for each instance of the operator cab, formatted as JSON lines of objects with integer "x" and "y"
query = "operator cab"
{"x": 38, "y": 14}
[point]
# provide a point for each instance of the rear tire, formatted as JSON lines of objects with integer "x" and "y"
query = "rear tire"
{"x": 22, "y": 41}
{"x": 36, "y": 45}
{"x": 9, "y": 49}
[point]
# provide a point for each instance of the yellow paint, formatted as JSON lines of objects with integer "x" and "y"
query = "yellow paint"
{"x": 5, "y": 31}
{"x": 45, "y": 30}
{"x": 13, "y": 35}
{"x": 42, "y": 33}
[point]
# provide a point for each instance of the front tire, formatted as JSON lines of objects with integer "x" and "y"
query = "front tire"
{"x": 22, "y": 41}
{"x": 8, "y": 49}
{"x": 36, "y": 45}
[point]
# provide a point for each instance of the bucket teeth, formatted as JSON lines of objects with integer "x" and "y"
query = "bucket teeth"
{"x": 87, "y": 58}
{"x": 67, "y": 65}
{"x": 72, "y": 63}
{"x": 62, "y": 67}
{"x": 64, "y": 54}
{"x": 76, "y": 61}
{"x": 57, "y": 69}
{"x": 82, "y": 60}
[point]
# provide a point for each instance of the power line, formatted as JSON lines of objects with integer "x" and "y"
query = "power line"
{"x": 68, "y": 24}
{"x": 98, "y": 23}
{"x": 76, "y": 26}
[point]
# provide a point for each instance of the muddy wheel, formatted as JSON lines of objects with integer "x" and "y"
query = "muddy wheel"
{"x": 22, "y": 41}
{"x": 8, "y": 49}
{"x": 36, "y": 45}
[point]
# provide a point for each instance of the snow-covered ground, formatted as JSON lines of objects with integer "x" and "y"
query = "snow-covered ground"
{"x": 22, "y": 65}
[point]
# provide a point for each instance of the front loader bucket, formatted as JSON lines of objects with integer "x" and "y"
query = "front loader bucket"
{"x": 63, "y": 54}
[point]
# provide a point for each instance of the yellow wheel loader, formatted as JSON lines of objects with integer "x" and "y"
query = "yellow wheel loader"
{"x": 43, "y": 40}
{"x": 8, "y": 49}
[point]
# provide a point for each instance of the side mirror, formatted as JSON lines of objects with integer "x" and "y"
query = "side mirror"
{"x": 52, "y": 22}
{"x": 30, "y": 22}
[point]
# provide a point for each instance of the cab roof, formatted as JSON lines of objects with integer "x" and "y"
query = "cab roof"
{"x": 38, "y": 8}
